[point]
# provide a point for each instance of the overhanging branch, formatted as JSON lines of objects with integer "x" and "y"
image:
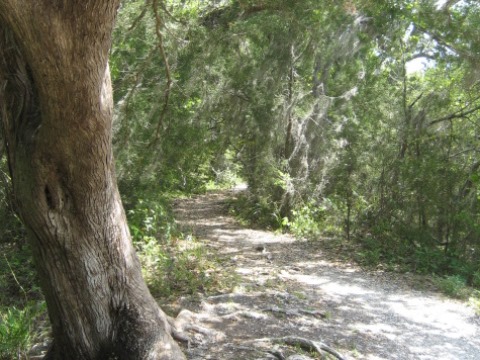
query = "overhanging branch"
{"x": 168, "y": 85}
{"x": 456, "y": 115}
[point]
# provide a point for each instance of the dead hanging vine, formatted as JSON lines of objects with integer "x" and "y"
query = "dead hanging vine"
{"x": 168, "y": 85}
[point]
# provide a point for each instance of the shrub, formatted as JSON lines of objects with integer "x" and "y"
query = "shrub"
{"x": 453, "y": 285}
{"x": 172, "y": 264}
{"x": 16, "y": 330}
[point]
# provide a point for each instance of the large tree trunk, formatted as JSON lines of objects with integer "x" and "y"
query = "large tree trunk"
{"x": 56, "y": 112}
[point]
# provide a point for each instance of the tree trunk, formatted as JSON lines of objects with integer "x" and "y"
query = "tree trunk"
{"x": 56, "y": 113}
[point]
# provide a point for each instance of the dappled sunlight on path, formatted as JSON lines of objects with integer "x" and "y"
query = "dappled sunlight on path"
{"x": 292, "y": 288}
{"x": 424, "y": 325}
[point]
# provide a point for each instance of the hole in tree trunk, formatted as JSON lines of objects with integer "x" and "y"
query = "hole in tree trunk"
{"x": 48, "y": 197}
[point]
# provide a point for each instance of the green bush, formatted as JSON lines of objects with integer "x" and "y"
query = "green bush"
{"x": 476, "y": 279}
{"x": 151, "y": 217}
{"x": 306, "y": 221}
{"x": 474, "y": 301}
{"x": 16, "y": 330}
{"x": 190, "y": 271}
{"x": 171, "y": 263}
{"x": 182, "y": 267}
{"x": 453, "y": 285}
{"x": 256, "y": 211}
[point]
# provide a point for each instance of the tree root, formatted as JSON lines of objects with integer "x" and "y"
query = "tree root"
{"x": 277, "y": 354}
{"x": 176, "y": 333}
{"x": 296, "y": 312}
{"x": 308, "y": 345}
{"x": 187, "y": 322}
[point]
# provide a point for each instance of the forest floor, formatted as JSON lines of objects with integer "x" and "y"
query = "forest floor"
{"x": 289, "y": 291}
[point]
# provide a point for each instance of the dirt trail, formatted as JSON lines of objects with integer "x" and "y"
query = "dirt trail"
{"x": 294, "y": 288}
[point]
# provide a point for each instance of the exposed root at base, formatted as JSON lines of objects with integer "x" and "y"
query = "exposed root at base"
{"x": 176, "y": 333}
{"x": 186, "y": 323}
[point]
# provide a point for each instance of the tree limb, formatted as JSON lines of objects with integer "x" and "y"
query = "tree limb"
{"x": 168, "y": 85}
{"x": 412, "y": 104}
{"x": 137, "y": 20}
{"x": 456, "y": 115}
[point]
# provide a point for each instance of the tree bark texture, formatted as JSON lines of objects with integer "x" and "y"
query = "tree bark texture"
{"x": 56, "y": 115}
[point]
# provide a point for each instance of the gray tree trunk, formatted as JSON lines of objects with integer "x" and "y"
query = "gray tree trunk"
{"x": 56, "y": 115}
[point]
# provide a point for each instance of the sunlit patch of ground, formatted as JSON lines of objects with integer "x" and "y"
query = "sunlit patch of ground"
{"x": 291, "y": 288}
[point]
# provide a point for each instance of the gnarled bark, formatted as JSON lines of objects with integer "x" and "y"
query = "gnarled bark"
{"x": 56, "y": 113}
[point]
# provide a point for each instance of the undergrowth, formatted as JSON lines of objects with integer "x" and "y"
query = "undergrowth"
{"x": 173, "y": 263}
{"x": 180, "y": 267}
{"x": 385, "y": 246}
{"x": 21, "y": 302}
{"x": 255, "y": 212}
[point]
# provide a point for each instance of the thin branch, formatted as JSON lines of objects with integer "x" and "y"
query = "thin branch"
{"x": 441, "y": 41}
{"x": 168, "y": 85}
{"x": 457, "y": 115}
{"x": 15, "y": 278}
{"x": 468, "y": 185}
{"x": 138, "y": 18}
{"x": 475, "y": 148}
{"x": 170, "y": 15}
{"x": 300, "y": 54}
{"x": 412, "y": 104}
{"x": 421, "y": 55}
{"x": 124, "y": 103}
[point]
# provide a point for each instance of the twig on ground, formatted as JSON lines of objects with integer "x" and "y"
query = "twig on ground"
{"x": 308, "y": 345}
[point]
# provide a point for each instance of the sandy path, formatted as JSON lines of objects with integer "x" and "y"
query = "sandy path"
{"x": 294, "y": 288}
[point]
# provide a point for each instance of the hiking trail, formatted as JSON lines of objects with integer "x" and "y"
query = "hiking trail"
{"x": 289, "y": 288}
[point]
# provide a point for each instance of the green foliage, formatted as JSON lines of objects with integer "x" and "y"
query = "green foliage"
{"x": 182, "y": 268}
{"x": 256, "y": 211}
{"x": 453, "y": 286}
{"x": 11, "y": 230}
{"x": 308, "y": 220}
{"x": 192, "y": 270}
{"x": 151, "y": 218}
{"x": 20, "y": 301}
{"x": 16, "y": 328}
{"x": 476, "y": 279}
{"x": 171, "y": 265}
{"x": 18, "y": 277}
{"x": 370, "y": 253}
{"x": 227, "y": 171}
{"x": 474, "y": 301}
{"x": 14, "y": 332}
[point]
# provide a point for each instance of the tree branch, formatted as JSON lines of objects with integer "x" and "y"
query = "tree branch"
{"x": 138, "y": 19}
{"x": 170, "y": 15}
{"x": 168, "y": 85}
{"x": 457, "y": 115}
{"x": 412, "y": 104}
{"x": 438, "y": 38}
{"x": 419, "y": 56}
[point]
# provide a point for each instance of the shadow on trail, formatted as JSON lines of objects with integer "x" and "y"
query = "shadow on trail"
{"x": 400, "y": 322}
{"x": 291, "y": 288}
